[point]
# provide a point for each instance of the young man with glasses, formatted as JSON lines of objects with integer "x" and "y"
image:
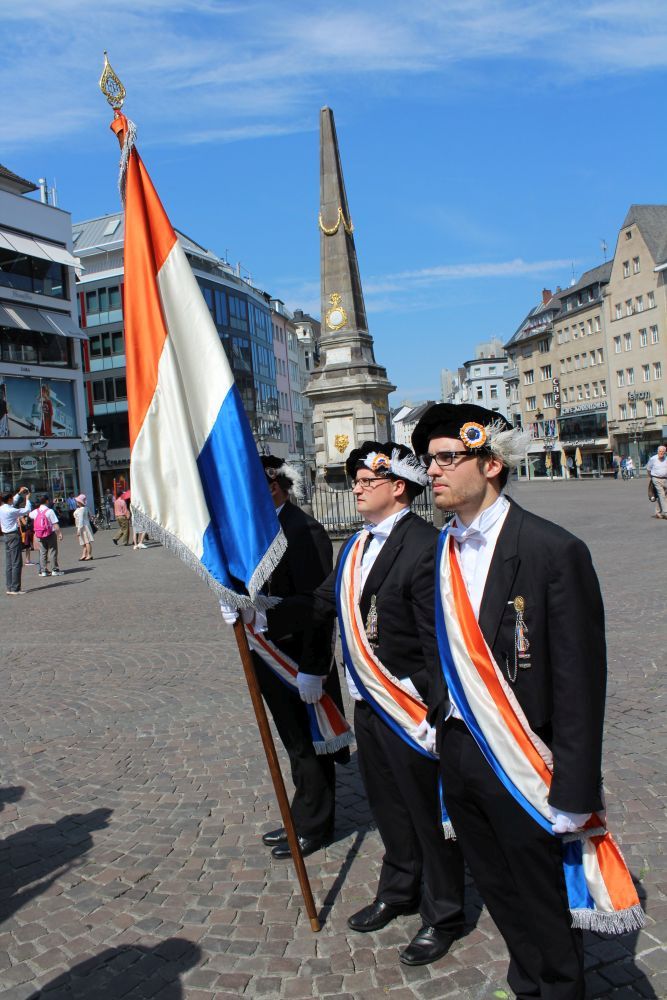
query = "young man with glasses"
{"x": 521, "y": 638}
{"x": 383, "y": 592}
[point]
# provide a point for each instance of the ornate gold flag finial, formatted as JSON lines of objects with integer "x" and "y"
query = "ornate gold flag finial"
{"x": 111, "y": 87}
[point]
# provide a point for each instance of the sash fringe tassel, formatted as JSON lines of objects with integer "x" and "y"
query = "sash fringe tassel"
{"x": 622, "y": 922}
{"x": 334, "y": 744}
{"x": 448, "y": 830}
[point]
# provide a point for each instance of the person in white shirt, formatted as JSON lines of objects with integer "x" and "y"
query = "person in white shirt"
{"x": 48, "y": 544}
{"x": 10, "y": 514}
{"x": 536, "y": 598}
{"x": 657, "y": 470}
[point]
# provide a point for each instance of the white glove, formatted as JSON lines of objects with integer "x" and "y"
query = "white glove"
{"x": 310, "y": 687}
{"x": 230, "y": 615}
{"x": 565, "y": 822}
{"x": 425, "y": 736}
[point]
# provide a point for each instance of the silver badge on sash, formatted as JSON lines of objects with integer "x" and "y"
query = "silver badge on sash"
{"x": 521, "y": 642}
{"x": 372, "y": 623}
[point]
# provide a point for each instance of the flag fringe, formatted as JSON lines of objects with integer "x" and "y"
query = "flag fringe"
{"x": 335, "y": 743}
{"x": 129, "y": 143}
{"x": 622, "y": 922}
{"x": 266, "y": 566}
{"x": 142, "y": 522}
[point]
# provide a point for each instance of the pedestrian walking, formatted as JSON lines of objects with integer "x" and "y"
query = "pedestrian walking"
{"x": 520, "y": 707}
{"x": 307, "y": 561}
{"x": 83, "y": 527}
{"x": 630, "y": 467}
{"x": 122, "y": 512}
{"x": 657, "y": 470}
{"x": 383, "y": 587}
{"x": 71, "y": 507}
{"x": 13, "y": 506}
{"x": 47, "y": 532}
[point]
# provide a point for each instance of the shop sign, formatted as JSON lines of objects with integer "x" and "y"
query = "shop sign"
{"x": 585, "y": 407}
{"x": 633, "y": 396}
{"x": 28, "y": 463}
{"x": 556, "y": 385}
{"x": 39, "y": 444}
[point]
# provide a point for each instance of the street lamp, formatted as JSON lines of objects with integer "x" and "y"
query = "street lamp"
{"x": 635, "y": 431}
{"x": 96, "y": 445}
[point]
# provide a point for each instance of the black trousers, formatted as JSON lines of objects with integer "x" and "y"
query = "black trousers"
{"x": 314, "y": 775}
{"x": 419, "y": 866}
{"x": 518, "y": 870}
{"x": 13, "y": 560}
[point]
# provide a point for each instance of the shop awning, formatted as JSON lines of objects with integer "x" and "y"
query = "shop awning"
{"x": 31, "y": 247}
{"x": 22, "y": 317}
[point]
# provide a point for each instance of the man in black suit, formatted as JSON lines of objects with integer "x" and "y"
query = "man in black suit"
{"x": 306, "y": 563}
{"x": 536, "y": 597}
{"x": 421, "y": 869}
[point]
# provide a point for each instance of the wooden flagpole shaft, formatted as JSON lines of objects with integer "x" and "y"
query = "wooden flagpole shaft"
{"x": 276, "y": 774}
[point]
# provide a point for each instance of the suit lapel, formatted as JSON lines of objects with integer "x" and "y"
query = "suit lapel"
{"x": 383, "y": 563}
{"x": 501, "y": 576}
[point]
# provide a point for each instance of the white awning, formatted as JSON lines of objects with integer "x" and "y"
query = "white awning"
{"x": 40, "y": 320}
{"x": 64, "y": 325}
{"x": 37, "y": 248}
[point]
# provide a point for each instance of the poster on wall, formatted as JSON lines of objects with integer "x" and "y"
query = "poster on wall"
{"x": 36, "y": 407}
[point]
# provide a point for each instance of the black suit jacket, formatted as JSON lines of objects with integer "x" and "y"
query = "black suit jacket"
{"x": 563, "y": 691}
{"x": 306, "y": 563}
{"x": 402, "y": 579}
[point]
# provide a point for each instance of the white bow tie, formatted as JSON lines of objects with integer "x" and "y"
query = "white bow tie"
{"x": 467, "y": 535}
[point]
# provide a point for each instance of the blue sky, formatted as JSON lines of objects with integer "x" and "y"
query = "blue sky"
{"x": 488, "y": 145}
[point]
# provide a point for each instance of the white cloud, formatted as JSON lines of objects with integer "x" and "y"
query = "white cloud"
{"x": 226, "y": 71}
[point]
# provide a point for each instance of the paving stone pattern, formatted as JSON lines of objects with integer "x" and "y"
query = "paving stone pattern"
{"x": 133, "y": 792}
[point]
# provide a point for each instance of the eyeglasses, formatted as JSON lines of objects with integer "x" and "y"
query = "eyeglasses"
{"x": 365, "y": 484}
{"x": 444, "y": 459}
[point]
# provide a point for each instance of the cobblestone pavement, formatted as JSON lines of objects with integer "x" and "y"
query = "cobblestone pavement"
{"x": 133, "y": 793}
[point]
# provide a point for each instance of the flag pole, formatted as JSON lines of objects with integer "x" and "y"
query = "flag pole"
{"x": 274, "y": 770}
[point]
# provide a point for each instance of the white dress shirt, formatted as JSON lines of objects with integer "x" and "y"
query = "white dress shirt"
{"x": 10, "y": 516}
{"x": 476, "y": 544}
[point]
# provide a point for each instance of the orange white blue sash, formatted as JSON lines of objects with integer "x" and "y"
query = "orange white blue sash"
{"x": 601, "y": 893}
{"x": 386, "y": 694}
{"x": 329, "y": 728}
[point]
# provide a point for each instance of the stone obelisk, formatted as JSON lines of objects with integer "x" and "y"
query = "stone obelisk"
{"x": 349, "y": 389}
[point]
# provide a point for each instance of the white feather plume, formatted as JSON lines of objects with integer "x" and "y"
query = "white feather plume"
{"x": 509, "y": 446}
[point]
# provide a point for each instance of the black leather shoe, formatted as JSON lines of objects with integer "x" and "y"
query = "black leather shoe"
{"x": 274, "y": 837}
{"x": 428, "y": 945}
{"x": 308, "y": 846}
{"x": 376, "y": 915}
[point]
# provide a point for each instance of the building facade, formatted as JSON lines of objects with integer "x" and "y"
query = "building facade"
{"x": 242, "y": 315}
{"x": 42, "y": 410}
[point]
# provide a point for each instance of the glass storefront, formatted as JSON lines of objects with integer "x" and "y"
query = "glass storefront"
{"x": 52, "y": 472}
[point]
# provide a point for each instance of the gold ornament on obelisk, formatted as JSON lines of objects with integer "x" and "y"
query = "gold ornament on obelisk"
{"x": 332, "y": 230}
{"x": 111, "y": 87}
{"x": 336, "y": 317}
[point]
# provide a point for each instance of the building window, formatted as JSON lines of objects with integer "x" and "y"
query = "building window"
{"x": 564, "y": 394}
{"x": 480, "y": 392}
{"x": 531, "y": 403}
{"x": 659, "y": 407}
{"x": 104, "y": 345}
{"x": 657, "y": 369}
{"x": 640, "y": 303}
{"x": 603, "y": 387}
{"x": 584, "y": 361}
{"x": 577, "y": 362}
{"x": 626, "y": 268}
{"x": 587, "y": 391}
{"x": 600, "y": 355}
{"x": 548, "y": 399}
{"x": 619, "y": 310}
{"x": 592, "y": 358}
{"x": 628, "y": 307}
{"x": 543, "y": 346}
{"x": 654, "y": 335}
{"x": 580, "y": 394}
{"x": 649, "y": 408}
{"x": 623, "y": 411}
{"x": 627, "y": 341}
{"x": 633, "y": 410}
{"x": 635, "y": 265}
{"x": 545, "y": 373}
{"x": 589, "y": 327}
{"x": 646, "y": 373}
{"x": 620, "y": 378}
{"x": 617, "y": 345}
{"x": 494, "y": 392}
{"x": 630, "y": 372}
{"x": 651, "y": 300}
{"x": 643, "y": 338}
{"x": 596, "y": 389}
{"x": 529, "y": 377}
{"x": 596, "y": 324}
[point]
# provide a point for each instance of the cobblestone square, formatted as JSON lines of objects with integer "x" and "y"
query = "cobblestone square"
{"x": 133, "y": 792}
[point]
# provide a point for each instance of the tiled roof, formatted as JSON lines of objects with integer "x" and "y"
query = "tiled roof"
{"x": 11, "y": 176}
